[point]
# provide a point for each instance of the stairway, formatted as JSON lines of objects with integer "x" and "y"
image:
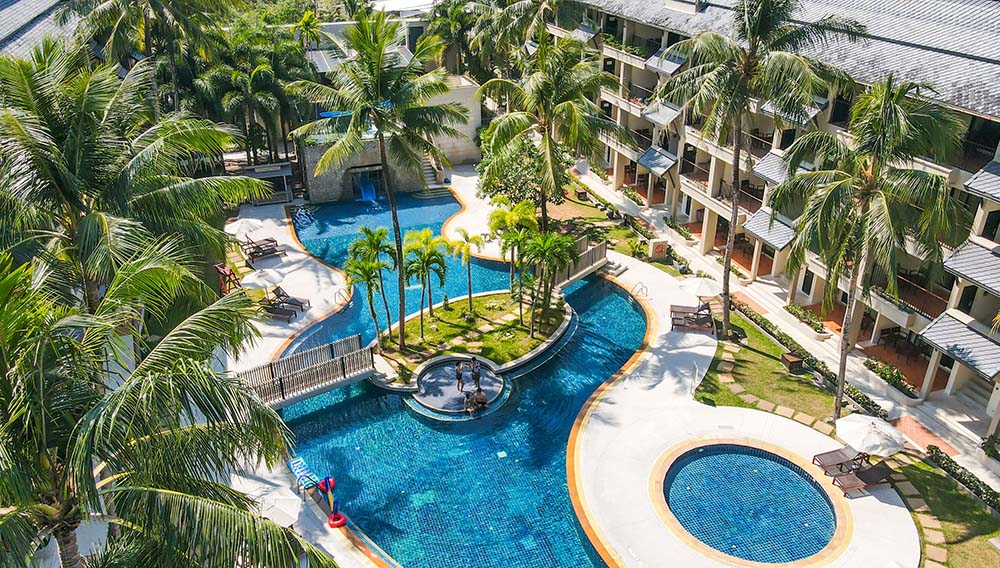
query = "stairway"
{"x": 976, "y": 393}
{"x": 430, "y": 175}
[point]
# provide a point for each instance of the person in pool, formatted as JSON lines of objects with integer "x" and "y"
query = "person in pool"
{"x": 459, "y": 376}
{"x": 479, "y": 399}
{"x": 475, "y": 372}
{"x": 470, "y": 403}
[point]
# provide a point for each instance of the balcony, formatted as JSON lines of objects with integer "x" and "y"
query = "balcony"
{"x": 913, "y": 295}
{"x": 973, "y": 156}
{"x": 643, "y": 138}
{"x": 758, "y": 143}
{"x": 751, "y": 196}
{"x": 635, "y": 51}
{"x": 696, "y": 175}
{"x": 639, "y": 94}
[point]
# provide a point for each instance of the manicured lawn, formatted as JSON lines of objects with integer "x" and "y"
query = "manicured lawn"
{"x": 504, "y": 343}
{"x": 759, "y": 370}
{"x": 966, "y": 523}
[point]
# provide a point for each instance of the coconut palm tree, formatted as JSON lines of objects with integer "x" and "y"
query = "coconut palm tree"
{"x": 147, "y": 451}
{"x": 514, "y": 224}
{"x": 550, "y": 253}
{"x": 864, "y": 200}
{"x": 387, "y": 95}
{"x": 247, "y": 92}
{"x": 463, "y": 250}
{"x": 367, "y": 272}
{"x": 554, "y": 103}
{"x": 374, "y": 245}
{"x": 309, "y": 30}
{"x": 87, "y": 179}
{"x": 424, "y": 254}
{"x": 452, "y": 21}
{"x": 524, "y": 283}
{"x": 495, "y": 36}
{"x": 760, "y": 63}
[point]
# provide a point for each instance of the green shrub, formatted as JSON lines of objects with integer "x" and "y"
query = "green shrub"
{"x": 641, "y": 229}
{"x": 632, "y": 194}
{"x": 890, "y": 374}
{"x": 637, "y": 248}
{"x": 819, "y": 367}
{"x": 732, "y": 267}
{"x": 682, "y": 230}
{"x": 991, "y": 445}
{"x": 977, "y": 486}
{"x": 807, "y": 317}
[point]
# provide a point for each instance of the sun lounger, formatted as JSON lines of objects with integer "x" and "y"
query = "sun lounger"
{"x": 249, "y": 243}
{"x": 863, "y": 478}
{"x": 844, "y": 459}
{"x": 304, "y": 476}
{"x": 277, "y": 312}
{"x": 285, "y": 300}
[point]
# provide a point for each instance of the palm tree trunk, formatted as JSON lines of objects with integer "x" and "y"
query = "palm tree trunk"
{"x": 469, "y": 271}
{"x": 246, "y": 128}
{"x": 154, "y": 88}
{"x": 511, "y": 276}
{"x": 423, "y": 288}
{"x": 520, "y": 302}
{"x": 543, "y": 200}
{"x": 172, "y": 59}
{"x": 845, "y": 338}
{"x": 398, "y": 237}
{"x": 371, "y": 310}
{"x": 385, "y": 304}
{"x": 430, "y": 297}
{"x": 734, "y": 212}
{"x": 534, "y": 300}
{"x": 69, "y": 552}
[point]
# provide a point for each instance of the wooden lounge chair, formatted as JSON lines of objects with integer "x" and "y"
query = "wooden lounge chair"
{"x": 257, "y": 252}
{"x": 277, "y": 312}
{"x": 250, "y": 243}
{"x": 844, "y": 459}
{"x": 863, "y": 478}
{"x": 285, "y": 300}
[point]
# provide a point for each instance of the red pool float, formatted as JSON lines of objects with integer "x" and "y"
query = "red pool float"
{"x": 336, "y": 520}
{"x": 327, "y": 485}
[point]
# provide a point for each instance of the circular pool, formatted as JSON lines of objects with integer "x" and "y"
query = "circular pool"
{"x": 749, "y": 503}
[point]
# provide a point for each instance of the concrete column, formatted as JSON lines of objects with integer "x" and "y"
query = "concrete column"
{"x": 758, "y": 249}
{"x": 715, "y": 170}
{"x": 618, "y": 174}
{"x": 932, "y": 367}
{"x": 994, "y": 429}
{"x": 649, "y": 188}
{"x": 780, "y": 261}
{"x": 956, "y": 292}
{"x": 794, "y": 281}
{"x": 877, "y": 330}
{"x": 674, "y": 192}
{"x": 708, "y": 226}
{"x": 960, "y": 375}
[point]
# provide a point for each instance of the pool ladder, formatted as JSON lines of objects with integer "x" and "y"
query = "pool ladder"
{"x": 641, "y": 289}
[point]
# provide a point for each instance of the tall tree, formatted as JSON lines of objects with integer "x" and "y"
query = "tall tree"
{"x": 86, "y": 176}
{"x": 452, "y": 21}
{"x": 550, "y": 253}
{"x": 762, "y": 62}
{"x": 424, "y": 254}
{"x": 552, "y": 103}
{"x": 163, "y": 437}
{"x": 308, "y": 29}
{"x": 367, "y": 272}
{"x": 515, "y": 224}
{"x": 864, "y": 200}
{"x": 247, "y": 92}
{"x": 388, "y": 95}
{"x": 374, "y": 245}
{"x": 462, "y": 249}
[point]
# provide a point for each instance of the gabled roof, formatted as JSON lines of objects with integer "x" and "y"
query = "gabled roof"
{"x": 953, "y": 332}
{"x": 776, "y": 234}
{"x": 986, "y": 182}
{"x": 977, "y": 261}
{"x": 23, "y": 24}
{"x": 657, "y": 160}
{"x": 661, "y": 113}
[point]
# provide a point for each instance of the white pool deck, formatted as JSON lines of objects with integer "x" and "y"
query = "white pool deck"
{"x": 649, "y": 410}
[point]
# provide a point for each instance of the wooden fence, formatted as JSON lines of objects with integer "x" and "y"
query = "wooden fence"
{"x": 589, "y": 260}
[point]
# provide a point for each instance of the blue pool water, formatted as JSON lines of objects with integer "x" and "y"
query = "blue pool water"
{"x": 749, "y": 503}
{"x": 485, "y": 493}
{"x": 328, "y": 230}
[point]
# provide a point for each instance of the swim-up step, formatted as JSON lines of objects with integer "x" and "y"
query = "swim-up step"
{"x": 435, "y": 192}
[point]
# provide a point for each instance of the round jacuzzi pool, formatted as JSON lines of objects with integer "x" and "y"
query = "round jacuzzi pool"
{"x": 749, "y": 503}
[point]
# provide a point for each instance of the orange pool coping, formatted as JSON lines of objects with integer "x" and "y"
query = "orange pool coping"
{"x": 842, "y": 513}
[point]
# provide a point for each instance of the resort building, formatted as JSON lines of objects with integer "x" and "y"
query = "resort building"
{"x": 938, "y": 331}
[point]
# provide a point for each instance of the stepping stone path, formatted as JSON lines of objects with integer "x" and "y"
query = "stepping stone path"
{"x": 726, "y": 378}
{"x": 765, "y": 405}
{"x": 736, "y": 388}
{"x": 804, "y": 418}
{"x": 731, "y": 348}
{"x": 509, "y": 318}
{"x": 748, "y": 398}
{"x": 486, "y": 328}
{"x": 907, "y": 489}
{"x": 727, "y": 356}
{"x": 456, "y": 341}
{"x": 823, "y": 427}
{"x": 726, "y": 367}
{"x": 784, "y": 411}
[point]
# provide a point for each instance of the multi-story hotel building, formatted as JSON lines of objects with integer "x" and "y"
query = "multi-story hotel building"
{"x": 938, "y": 331}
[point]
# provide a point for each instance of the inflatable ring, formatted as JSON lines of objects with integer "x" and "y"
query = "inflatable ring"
{"x": 336, "y": 520}
{"x": 327, "y": 486}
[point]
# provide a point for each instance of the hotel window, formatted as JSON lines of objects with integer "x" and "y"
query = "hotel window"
{"x": 841, "y": 111}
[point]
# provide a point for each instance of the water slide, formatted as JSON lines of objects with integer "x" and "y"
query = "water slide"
{"x": 367, "y": 188}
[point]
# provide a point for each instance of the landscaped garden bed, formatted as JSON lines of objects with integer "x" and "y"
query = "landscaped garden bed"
{"x": 890, "y": 374}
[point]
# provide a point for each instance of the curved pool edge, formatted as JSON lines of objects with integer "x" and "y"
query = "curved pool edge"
{"x": 573, "y": 445}
{"x": 843, "y": 530}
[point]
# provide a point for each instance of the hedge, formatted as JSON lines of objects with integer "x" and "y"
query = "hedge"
{"x": 977, "y": 486}
{"x": 821, "y": 369}
{"x": 890, "y": 374}
{"x": 633, "y": 195}
{"x": 806, "y": 317}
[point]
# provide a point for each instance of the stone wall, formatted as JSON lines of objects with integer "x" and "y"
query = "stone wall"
{"x": 335, "y": 183}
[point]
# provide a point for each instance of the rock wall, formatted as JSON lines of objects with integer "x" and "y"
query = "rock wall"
{"x": 335, "y": 183}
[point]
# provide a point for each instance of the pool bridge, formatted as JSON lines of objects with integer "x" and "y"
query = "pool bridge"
{"x": 313, "y": 371}
{"x": 590, "y": 258}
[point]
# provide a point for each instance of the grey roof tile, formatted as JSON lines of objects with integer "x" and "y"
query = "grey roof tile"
{"x": 771, "y": 168}
{"x": 777, "y": 234}
{"x": 977, "y": 262}
{"x": 657, "y": 160}
{"x": 952, "y": 333}
{"x": 986, "y": 182}
{"x": 661, "y": 114}
{"x": 24, "y": 23}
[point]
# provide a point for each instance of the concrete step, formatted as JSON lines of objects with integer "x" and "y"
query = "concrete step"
{"x": 976, "y": 393}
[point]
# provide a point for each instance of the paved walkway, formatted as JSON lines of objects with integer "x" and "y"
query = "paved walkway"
{"x": 949, "y": 418}
{"x": 475, "y": 213}
{"x": 650, "y": 409}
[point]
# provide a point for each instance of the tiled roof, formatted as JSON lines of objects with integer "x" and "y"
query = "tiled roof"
{"x": 657, "y": 160}
{"x": 664, "y": 64}
{"x": 777, "y": 234}
{"x": 986, "y": 182}
{"x": 953, "y": 333}
{"x": 771, "y": 168}
{"x": 661, "y": 114}
{"x": 952, "y": 44}
{"x": 977, "y": 262}
{"x": 23, "y": 23}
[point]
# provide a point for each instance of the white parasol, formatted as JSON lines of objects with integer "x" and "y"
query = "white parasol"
{"x": 701, "y": 287}
{"x": 243, "y": 226}
{"x": 870, "y": 435}
{"x": 282, "y": 510}
{"x": 264, "y": 278}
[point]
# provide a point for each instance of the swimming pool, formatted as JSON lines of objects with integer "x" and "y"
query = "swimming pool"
{"x": 489, "y": 492}
{"x": 327, "y": 230}
{"x": 749, "y": 503}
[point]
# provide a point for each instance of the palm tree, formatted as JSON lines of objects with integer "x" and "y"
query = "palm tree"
{"x": 424, "y": 254}
{"x": 247, "y": 95}
{"x": 309, "y": 30}
{"x": 864, "y": 201}
{"x": 164, "y": 437}
{"x": 368, "y": 272}
{"x": 495, "y": 36}
{"x": 553, "y": 103}
{"x": 760, "y": 63}
{"x": 524, "y": 283}
{"x": 374, "y": 245}
{"x": 514, "y": 224}
{"x": 463, "y": 249}
{"x": 89, "y": 179}
{"x": 452, "y": 21}
{"x": 551, "y": 253}
{"x": 387, "y": 95}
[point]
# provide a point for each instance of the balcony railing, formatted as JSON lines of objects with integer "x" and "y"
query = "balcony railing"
{"x": 758, "y": 143}
{"x": 639, "y": 94}
{"x": 695, "y": 174}
{"x": 913, "y": 296}
{"x": 974, "y": 156}
{"x": 751, "y": 196}
{"x": 643, "y": 138}
{"x": 636, "y": 46}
